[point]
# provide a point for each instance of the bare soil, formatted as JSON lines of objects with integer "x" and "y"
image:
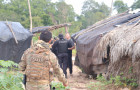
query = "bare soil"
{"x": 78, "y": 80}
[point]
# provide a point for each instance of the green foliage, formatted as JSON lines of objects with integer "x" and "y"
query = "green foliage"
{"x": 102, "y": 79}
{"x": 59, "y": 86}
{"x": 130, "y": 70}
{"x": 75, "y": 27}
{"x": 7, "y": 63}
{"x": 46, "y": 13}
{"x": 36, "y": 37}
{"x": 9, "y": 78}
{"x": 37, "y": 21}
{"x": 121, "y": 73}
{"x": 117, "y": 81}
{"x": 136, "y": 5}
{"x": 120, "y": 6}
{"x": 65, "y": 13}
{"x": 130, "y": 82}
{"x": 60, "y": 30}
{"x": 96, "y": 86}
{"x": 46, "y": 20}
{"x": 74, "y": 52}
{"x": 92, "y": 12}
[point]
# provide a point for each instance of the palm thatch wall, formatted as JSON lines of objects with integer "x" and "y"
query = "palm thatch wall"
{"x": 124, "y": 50}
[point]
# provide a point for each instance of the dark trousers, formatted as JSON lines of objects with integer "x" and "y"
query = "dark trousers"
{"x": 63, "y": 62}
{"x": 70, "y": 62}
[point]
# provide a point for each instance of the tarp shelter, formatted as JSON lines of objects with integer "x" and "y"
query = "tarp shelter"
{"x": 87, "y": 39}
{"x": 9, "y": 49}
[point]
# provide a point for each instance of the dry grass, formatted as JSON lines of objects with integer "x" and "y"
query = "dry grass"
{"x": 124, "y": 42}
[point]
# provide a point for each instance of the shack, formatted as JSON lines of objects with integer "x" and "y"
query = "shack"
{"x": 95, "y": 51}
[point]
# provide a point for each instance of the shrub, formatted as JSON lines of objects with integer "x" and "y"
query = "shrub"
{"x": 10, "y": 79}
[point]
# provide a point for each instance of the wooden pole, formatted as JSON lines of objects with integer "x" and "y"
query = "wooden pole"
{"x": 31, "y": 26}
{"x": 66, "y": 29}
{"x": 30, "y": 15}
{"x": 111, "y": 7}
{"x": 9, "y": 25}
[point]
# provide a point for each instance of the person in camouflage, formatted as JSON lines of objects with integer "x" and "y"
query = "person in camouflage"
{"x": 36, "y": 63}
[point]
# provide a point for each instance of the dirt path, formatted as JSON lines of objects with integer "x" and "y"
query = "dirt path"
{"x": 78, "y": 81}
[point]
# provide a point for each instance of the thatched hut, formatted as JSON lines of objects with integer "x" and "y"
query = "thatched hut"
{"x": 124, "y": 50}
{"x": 111, "y": 46}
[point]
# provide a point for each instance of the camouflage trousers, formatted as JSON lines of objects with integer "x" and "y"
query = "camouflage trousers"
{"x": 37, "y": 86}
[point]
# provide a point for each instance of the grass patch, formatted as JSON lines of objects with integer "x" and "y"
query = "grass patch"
{"x": 114, "y": 82}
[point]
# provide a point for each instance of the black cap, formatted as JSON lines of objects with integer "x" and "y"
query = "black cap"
{"x": 60, "y": 36}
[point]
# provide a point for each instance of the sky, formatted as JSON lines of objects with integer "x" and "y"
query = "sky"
{"x": 77, "y": 4}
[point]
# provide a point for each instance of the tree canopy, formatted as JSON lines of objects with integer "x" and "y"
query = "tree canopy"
{"x": 46, "y": 12}
{"x": 92, "y": 12}
{"x": 120, "y": 6}
{"x": 136, "y": 4}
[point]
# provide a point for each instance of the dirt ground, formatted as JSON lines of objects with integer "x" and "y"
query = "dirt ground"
{"x": 79, "y": 80}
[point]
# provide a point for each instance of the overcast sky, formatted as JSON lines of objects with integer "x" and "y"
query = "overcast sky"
{"x": 77, "y": 4}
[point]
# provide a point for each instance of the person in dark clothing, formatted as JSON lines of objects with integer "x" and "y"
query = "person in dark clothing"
{"x": 54, "y": 50}
{"x": 62, "y": 45}
{"x": 70, "y": 64}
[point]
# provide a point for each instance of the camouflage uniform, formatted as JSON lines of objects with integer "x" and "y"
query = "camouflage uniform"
{"x": 36, "y": 63}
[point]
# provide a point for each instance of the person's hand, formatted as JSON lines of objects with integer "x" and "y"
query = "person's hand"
{"x": 65, "y": 84}
{"x": 69, "y": 48}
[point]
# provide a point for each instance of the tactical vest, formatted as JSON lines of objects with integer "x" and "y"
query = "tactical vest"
{"x": 38, "y": 66}
{"x": 62, "y": 46}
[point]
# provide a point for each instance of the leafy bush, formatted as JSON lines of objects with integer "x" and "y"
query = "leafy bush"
{"x": 58, "y": 86}
{"x": 10, "y": 79}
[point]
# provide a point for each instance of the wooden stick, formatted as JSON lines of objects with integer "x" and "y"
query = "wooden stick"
{"x": 30, "y": 16}
{"x": 66, "y": 29}
{"x": 111, "y": 7}
{"x": 30, "y": 19}
{"x": 9, "y": 25}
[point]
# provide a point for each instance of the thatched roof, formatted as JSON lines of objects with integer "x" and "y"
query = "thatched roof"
{"x": 111, "y": 46}
{"x": 93, "y": 42}
{"x": 123, "y": 41}
{"x": 124, "y": 54}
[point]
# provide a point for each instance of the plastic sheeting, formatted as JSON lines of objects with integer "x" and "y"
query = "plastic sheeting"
{"x": 86, "y": 42}
{"x": 9, "y": 49}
